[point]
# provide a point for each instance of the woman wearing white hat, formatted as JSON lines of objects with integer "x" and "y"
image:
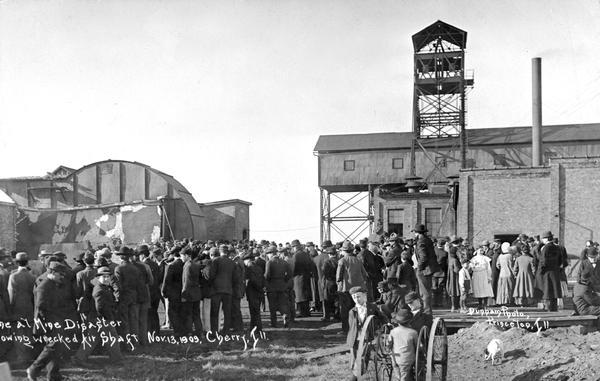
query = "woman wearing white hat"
{"x": 482, "y": 278}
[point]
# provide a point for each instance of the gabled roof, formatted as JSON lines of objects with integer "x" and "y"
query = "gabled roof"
{"x": 448, "y": 33}
{"x": 475, "y": 137}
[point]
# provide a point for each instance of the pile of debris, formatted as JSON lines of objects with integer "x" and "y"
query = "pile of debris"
{"x": 554, "y": 354}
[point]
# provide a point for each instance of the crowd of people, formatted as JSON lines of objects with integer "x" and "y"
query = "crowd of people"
{"x": 391, "y": 278}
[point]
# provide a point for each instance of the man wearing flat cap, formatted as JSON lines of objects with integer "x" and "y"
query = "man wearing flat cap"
{"x": 427, "y": 264}
{"x": 359, "y": 318}
{"x": 548, "y": 272}
{"x": 20, "y": 292}
{"x": 350, "y": 273}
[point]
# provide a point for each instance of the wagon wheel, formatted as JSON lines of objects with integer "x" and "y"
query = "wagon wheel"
{"x": 421, "y": 355}
{"x": 369, "y": 354}
{"x": 437, "y": 352}
{"x": 384, "y": 368}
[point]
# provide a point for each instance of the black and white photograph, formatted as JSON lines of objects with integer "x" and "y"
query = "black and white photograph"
{"x": 376, "y": 190}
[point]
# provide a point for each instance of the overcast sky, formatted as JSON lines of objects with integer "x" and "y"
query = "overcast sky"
{"x": 230, "y": 97}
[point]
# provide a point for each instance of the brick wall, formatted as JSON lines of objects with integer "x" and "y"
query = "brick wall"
{"x": 562, "y": 197}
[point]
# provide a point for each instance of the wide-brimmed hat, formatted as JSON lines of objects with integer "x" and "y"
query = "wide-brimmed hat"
{"x": 420, "y": 228}
{"x": 295, "y": 243}
{"x": 454, "y": 239}
{"x": 402, "y": 316}
{"x": 124, "y": 251}
{"x": 347, "y": 246}
{"x": 327, "y": 244}
{"x": 271, "y": 249}
{"x": 547, "y": 234}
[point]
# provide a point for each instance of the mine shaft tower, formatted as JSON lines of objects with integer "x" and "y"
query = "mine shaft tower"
{"x": 440, "y": 86}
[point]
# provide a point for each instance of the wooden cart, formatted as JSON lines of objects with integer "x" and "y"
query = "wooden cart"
{"x": 431, "y": 358}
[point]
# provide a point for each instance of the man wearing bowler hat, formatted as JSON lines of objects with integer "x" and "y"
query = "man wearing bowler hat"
{"x": 548, "y": 274}
{"x": 426, "y": 264}
{"x": 20, "y": 292}
{"x": 128, "y": 278}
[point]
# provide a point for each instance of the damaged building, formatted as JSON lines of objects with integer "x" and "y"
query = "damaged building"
{"x": 108, "y": 202}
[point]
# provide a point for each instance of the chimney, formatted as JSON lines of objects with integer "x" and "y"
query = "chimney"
{"x": 536, "y": 130}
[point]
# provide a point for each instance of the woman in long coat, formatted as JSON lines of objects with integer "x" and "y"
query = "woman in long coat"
{"x": 481, "y": 278}
{"x": 525, "y": 282}
{"x": 505, "y": 278}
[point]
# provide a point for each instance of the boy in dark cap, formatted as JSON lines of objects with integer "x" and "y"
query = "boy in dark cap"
{"x": 360, "y": 316}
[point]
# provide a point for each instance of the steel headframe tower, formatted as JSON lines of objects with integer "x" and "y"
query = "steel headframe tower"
{"x": 439, "y": 88}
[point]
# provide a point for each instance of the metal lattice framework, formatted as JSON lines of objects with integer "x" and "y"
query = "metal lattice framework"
{"x": 349, "y": 215}
{"x": 439, "y": 99}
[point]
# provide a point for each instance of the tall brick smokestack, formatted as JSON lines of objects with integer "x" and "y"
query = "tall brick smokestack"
{"x": 536, "y": 130}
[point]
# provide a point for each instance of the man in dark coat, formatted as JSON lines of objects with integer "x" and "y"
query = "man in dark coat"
{"x": 303, "y": 269}
{"x": 319, "y": 261}
{"x": 157, "y": 276}
{"x": 427, "y": 264}
{"x": 585, "y": 300}
{"x": 373, "y": 270}
{"x": 171, "y": 290}
{"x": 277, "y": 275}
{"x": 392, "y": 259}
{"x": 420, "y": 317}
{"x": 330, "y": 294}
{"x": 362, "y": 313}
{"x": 549, "y": 272}
{"x": 238, "y": 288}
{"x": 128, "y": 279}
{"x": 143, "y": 294}
{"x": 191, "y": 293}
{"x": 589, "y": 265}
{"x": 20, "y": 293}
{"x": 104, "y": 305}
{"x": 496, "y": 251}
{"x": 222, "y": 273}
{"x": 438, "y": 284}
{"x": 255, "y": 283}
{"x": 52, "y": 308}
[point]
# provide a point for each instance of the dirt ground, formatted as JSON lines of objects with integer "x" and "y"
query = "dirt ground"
{"x": 556, "y": 354}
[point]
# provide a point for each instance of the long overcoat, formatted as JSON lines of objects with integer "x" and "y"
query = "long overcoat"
{"x": 303, "y": 269}
{"x": 548, "y": 272}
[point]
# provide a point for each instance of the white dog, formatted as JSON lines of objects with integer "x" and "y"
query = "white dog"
{"x": 494, "y": 350}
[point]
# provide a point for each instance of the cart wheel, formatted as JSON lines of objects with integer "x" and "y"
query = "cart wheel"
{"x": 421, "y": 355}
{"x": 384, "y": 368}
{"x": 437, "y": 352}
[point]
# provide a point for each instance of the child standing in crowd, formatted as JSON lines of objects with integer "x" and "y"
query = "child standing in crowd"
{"x": 405, "y": 273}
{"x": 452, "y": 283}
{"x": 505, "y": 279}
{"x": 464, "y": 282}
{"x": 524, "y": 270}
{"x": 403, "y": 341}
{"x": 482, "y": 278}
